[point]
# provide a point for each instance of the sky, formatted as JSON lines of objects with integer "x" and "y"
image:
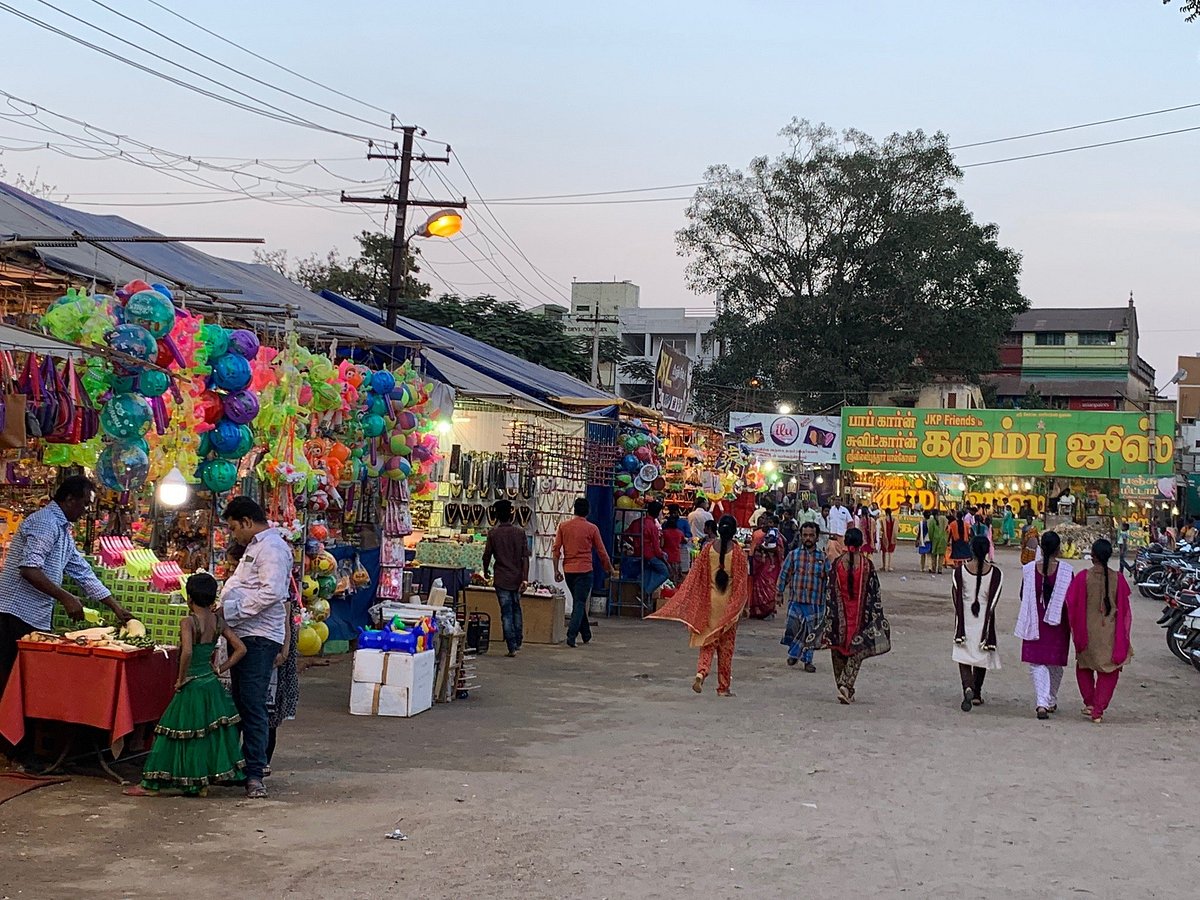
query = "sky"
{"x": 544, "y": 98}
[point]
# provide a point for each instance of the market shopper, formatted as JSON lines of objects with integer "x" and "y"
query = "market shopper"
{"x": 839, "y": 518}
{"x": 855, "y": 627}
{"x": 43, "y": 551}
{"x": 254, "y": 603}
{"x": 697, "y": 518}
{"x": 887, "y": 539}
{"x": 975, "y": 591}
{"x": 1101, "y": 620}
{"x": 1043, "y": 629}
{"x": 675, "y": 536}
{"x": 1008, "y": 525}
{"x": 574, "y": 543}
{"x": 804, "y": 585}
{"x": 766, "y": 556}
{"x": 507, "y": 552}
{"x": 924, "y": 543}
{"x": 710, "y": 603}
{"x": 939, "y": 541}
{"x": 959, "y": 534}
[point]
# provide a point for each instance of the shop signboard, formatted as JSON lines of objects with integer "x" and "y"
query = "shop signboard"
{"x": 1057, "y": 442}
{"x": 671, "y": 382}
{"x": 1147, "y": 487}
{"x": 812, "y": 440}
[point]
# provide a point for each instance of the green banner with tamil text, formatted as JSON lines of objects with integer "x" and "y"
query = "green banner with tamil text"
{"x": 1005, "y": 441}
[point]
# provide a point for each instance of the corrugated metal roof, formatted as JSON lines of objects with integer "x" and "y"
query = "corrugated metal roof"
{"x": 1016, "y": 386}
{"x": 1115, "y": 318}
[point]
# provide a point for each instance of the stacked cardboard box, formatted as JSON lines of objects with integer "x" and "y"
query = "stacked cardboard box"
{"x": 387, "y": 683}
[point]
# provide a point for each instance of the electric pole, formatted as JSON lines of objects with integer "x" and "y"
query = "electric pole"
{"x": 595, "y": 322}
{"x": 403, "y": 153}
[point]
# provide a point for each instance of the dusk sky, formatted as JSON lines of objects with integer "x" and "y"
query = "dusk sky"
{"x": 541, "y": 98}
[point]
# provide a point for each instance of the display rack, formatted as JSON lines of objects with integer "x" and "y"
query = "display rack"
{"x": 625, "y": 594}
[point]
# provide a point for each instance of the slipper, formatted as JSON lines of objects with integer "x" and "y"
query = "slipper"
{"x": 256, "y": 790}
{"x": 1053, "y": 709}
{"x": 978, "y": 701}
{"x": 1086, "y": 711}
{"x": 136, "y": 790}
{"x": 843, "y": 696}
{"x": 1043, "y": 713}
{"x": 968, "y": 697}
{"x": 1097, "y": 720}
{"x": 726, "y": 694}
{"x": 698, "y": 684}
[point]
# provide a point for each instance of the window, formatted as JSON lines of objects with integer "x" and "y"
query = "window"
{"x": 1011, "y": 339}
{"x": 678, "y": 344}
{"x": 1097, "y": 338}
{"x": 1050, "y": 339}
{"x": 583, "y": 308}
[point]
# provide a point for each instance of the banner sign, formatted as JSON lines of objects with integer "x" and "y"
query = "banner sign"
{"x": 813, "y": 440}
{"x": 1147, "y": 487}
{"x": 671, "y": 382}
{"x": 1005, "y": 441}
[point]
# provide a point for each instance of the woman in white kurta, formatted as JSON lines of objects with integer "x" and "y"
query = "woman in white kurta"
{"x": 975, "y": 588}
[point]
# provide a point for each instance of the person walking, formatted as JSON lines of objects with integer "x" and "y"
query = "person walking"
{"x": 254, "y": 602}
{"x": 696, "y": 519}
{"x": 975, "y": 621}
{"x": 710, "y": 603}
{"x": 960, "y": 540}
{"x": 887, "y": 539}
{"x": 939, "y": 541}
{"x": 674, "y": 540}
{"x": 1044, "y": 632}
{"x": 1101, "y": 620}
{"x": 1123, "y": 548}
{"x": 1008, "y": 525}
{"x": 507, "y": 551}
{"x": 574, "y": 543}
{"x": 855, "y": 627}
{"x": 924, "y": 541}
{"x": 804, "y": 584}
{"x": 766, "y": 557}
{"x": 839, "y": 518}
{"x": 1031, "y": 541}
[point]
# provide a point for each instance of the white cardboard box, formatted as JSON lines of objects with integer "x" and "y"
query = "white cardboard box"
{"x": 364, "y": 699}
{"x": 408, "y": 689}
{"x": 369, "y": 666}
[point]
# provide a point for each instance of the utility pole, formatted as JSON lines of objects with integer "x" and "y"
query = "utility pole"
{"x": 596, "y": 321}
{"x": 403, "y": 153}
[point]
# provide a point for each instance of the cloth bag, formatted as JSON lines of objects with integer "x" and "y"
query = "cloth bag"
{"x": 18, "y": 423}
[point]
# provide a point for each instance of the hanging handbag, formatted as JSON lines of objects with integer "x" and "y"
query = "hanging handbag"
{"x": 40, "y": 417}
{"x": 13, "y": 434}
{"x": 65, "y": 427}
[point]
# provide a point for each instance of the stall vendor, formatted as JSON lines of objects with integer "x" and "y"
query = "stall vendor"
{"x": 42, "y": 551}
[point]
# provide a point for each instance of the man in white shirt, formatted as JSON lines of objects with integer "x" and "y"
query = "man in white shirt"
{"x": 696, "y": 519}
{"x": 254, "y": 604}
{"x": 808, "y": 514}
{"x": 839, "y": 521}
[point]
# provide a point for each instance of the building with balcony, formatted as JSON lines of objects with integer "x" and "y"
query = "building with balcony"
{"x": 644, "y": 331}
{"x": 1075, "y": 359}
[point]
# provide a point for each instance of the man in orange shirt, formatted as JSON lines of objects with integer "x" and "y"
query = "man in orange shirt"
{"x": 574, "y": 542}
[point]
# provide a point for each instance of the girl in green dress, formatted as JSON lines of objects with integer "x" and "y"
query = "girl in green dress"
{"x": 196, "y": 741}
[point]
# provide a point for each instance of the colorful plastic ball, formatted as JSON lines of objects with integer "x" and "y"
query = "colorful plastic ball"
{"x": 397, "y": 443}
{"x": 122, "y": 467}
{"x": 319, "y": 625}
{"x": 135, "y": 341}
{"x": 308, "y": 641}
{"x": 152, "y": 311}
{"x": 644, "y": 453}
{"x": 326, "y": 585}
{"x": 626, "y": 503}
{"x": 377, "y": 404}
{"x": 218, "y": 475}
{"x": 164, "y": 290}
{"x": 230, "y": 372}
{"x": 326, "y": 564}
{"x": 319, "y": 609}
{"x": 126, "y": 416}
{"x": 406, "y": 421}
{"x": 630, "y": 463}
{"x": 216, "y": 339}
{"x": 245, "y": 443}
{"x": 309, "y": 587}
{"x": 244, "y": 343}
{"x": 225, "y": 436}
{"x": 241, "y": 407}
{"x": 373, "y": 425}
{"x": 383, "y": 382}
{"x": 153, "y": 383}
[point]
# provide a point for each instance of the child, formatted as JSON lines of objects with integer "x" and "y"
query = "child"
{"x": 196, "y": 741}
{"x": 673, "y": 539}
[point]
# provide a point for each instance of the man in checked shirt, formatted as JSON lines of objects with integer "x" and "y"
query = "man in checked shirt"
{"x": 804, "y": 582}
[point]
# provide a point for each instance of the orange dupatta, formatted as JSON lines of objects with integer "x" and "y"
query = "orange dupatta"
{"x": 692, "y": 603}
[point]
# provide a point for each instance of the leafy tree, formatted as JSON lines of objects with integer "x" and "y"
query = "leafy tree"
{"x": 500, "y": 323}
{"x": 845, "y": 264}
{"x": 639, "y": 369}
{"x": 1033, "y": 399}
{"x": 1190, "y": 9}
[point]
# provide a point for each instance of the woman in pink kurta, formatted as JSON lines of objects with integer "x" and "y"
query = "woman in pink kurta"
{"x": 1101, "y": 621}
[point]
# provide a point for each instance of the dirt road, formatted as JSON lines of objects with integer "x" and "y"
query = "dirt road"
{"x": 596, "y": 772}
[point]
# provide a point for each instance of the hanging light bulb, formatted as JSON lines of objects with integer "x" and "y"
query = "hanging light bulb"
{"x": 1015, "y": 486}
{"x": 987, "y": 485}
{"x": 173, "y": 489}
{"x": 820, "y": 479}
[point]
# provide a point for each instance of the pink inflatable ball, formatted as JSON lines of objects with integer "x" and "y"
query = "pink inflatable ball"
{"x": 305, "y": 395}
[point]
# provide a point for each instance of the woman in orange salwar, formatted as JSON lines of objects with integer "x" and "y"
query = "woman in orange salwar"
{"x": 710, "y": 602}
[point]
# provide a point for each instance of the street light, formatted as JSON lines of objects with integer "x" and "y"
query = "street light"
{"x": 444, "y": 223}
{"x": 1152, "y": 420}
{"x": 785, "y": 409}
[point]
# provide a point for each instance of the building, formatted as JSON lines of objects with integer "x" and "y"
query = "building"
{"x": 555, "y": 311}
{"x": 1075, "y": 359}
{"x": 941, "y": 394}
{"x": 595, "y": 306}
{"x": 644, "y": 331}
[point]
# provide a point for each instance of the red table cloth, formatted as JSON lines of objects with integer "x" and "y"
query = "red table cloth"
{"x": 113, "y": 695}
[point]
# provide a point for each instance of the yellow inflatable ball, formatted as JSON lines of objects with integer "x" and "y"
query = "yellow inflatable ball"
{"x": 624, "y": 502}
{"x": 309, "y": 642}
{"x": 326, "y": 564}
{"x": 322, "y": 631}
{"x": 318, "y": 609}
{"x": 309, "y": 587}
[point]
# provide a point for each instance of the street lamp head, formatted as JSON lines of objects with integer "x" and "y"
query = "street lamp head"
{"x": 785, "y": 409}
{"x": 444, "y": 223}
{"x": 1177, "y": 377}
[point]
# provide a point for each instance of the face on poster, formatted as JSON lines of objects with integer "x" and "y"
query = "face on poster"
{"x": 814, "y": 440}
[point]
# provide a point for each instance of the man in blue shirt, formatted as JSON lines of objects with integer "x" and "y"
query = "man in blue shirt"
{"x": 41, "y": 553}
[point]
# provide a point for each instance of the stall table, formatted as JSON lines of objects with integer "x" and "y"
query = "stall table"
{"x": 107, "y": 693}
{"x": 544, "y": 617}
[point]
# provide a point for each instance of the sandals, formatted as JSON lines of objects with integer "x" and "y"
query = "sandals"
{"x": 792, "y": 660}
{"x": 978, "y": 701}
{"x": 967, "y": 700}
{"x": 256, "y": 790}
{"x": 843, "y": 696}
{"x": 136, "y": 790}
{"x": 726, "y": 694}
{"x": 698, "y": 683}
{"x": 1043, "y": 713}
{"x": 1098, "y": 720}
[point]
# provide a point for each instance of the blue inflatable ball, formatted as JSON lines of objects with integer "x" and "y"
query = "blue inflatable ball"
{"x": 123, "y": 467}
{"x": 153, "y": 383}
{"x": 135, "y": 341}
{"x": 230, "y": 372}
{"x": 225, "y": 437}
{"x": 377, "y": 404}
{"x": 383, "y": 382}
{"x": 164, "y": 290}
{"x": 152, "y": 311}
{"x": 245, "y": 443}
{"x": 630, "y": 463}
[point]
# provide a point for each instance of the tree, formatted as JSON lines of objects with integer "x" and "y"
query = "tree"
{"x": 32, "y": 184}
{"x": 1033, "y": 399}
{"x": 501, "y": 323}
{"x": 846, "y": 264}
{"x": 1190, "y": 9}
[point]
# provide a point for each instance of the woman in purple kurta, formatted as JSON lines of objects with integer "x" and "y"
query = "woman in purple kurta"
{"x": 1043, "y": 629}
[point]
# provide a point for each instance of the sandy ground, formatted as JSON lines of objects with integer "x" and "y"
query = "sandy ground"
{"x": 597, "y": 773}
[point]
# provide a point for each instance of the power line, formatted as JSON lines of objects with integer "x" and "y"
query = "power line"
{"x": 1030, "y": 134}
{"x": 1129, "y": 140}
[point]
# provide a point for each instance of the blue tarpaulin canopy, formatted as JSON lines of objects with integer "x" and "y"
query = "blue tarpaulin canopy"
{"x": 266, "y": 297}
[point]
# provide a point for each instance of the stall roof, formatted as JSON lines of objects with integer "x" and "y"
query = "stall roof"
{"x": 547, "y": 385}
{"x": 264, "y": 292}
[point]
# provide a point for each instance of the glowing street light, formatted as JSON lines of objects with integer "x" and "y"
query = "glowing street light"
{"x": 444, "y": 223}
{"x": 785, "y": 409}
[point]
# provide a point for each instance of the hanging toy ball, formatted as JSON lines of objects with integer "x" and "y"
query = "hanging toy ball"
{"x": 218, "y": 475}
{"x": 231, "y": 372}
{"x": 308, "y": 642}
{"x": 152, "y": 311}
{"x": 383, "y": 382}
{"x": 135, "y": 341}
{"x": 216, "y": 339}
{"x": 309, "y": 588}
{"x": 241, "y": 406}
{"x": 153, "y": 383}
{"x": 319, "y": 610}
{"x": 244, "y": 343}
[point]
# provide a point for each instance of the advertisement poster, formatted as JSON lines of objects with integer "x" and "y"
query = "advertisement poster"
{"x": 671, "y": 383}
{"x": 812, "y": 440}
{"x": 1066, "y": 443}
{"x": 1147, "y": 487}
